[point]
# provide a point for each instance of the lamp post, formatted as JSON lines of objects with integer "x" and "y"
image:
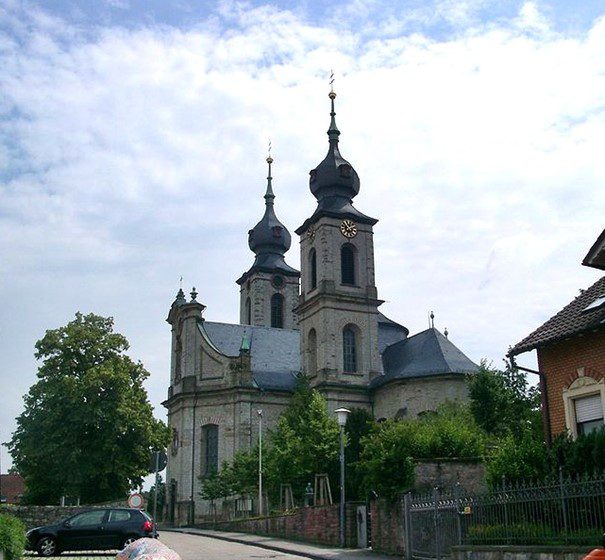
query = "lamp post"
{"x": 260, "y": 462}
{"x": 341, "y": 415}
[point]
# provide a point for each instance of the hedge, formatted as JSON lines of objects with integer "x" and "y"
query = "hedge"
{"x": 12, "y": 537}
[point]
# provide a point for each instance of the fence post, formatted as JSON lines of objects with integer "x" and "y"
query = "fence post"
{"x": 458, "y": 514}
{"x": 563, "y": 503}
{"x": 407, "y": 522}
{"x": 436, "y": 522}
{"x": 506, "y": 525}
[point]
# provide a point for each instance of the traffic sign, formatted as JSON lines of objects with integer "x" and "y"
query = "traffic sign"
{"x": 157, "y": 459}
{"x": 136, "y": 501}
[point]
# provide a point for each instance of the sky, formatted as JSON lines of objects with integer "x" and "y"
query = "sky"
{"x": 133, "y": 138}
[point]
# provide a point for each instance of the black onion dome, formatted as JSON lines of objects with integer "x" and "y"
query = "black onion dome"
{"x": 334, "y": 176}
{"x": 269, "y": 235}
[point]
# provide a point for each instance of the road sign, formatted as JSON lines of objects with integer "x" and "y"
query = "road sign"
{"x": 136, "y": 501}
{"x": 157, "y": 461}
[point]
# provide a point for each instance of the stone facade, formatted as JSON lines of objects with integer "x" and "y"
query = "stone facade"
{"x": 258, "y": 290}
{"x": 406, "y": 398}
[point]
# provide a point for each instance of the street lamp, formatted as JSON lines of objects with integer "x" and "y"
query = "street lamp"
{"x": 341, "y": 415}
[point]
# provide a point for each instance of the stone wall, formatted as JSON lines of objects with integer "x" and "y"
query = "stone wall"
{"x": 318, "y": 524}
{"x": 445, "y": 473}
{"x": 519, "y": 552}
{"x": 35, "y": 516}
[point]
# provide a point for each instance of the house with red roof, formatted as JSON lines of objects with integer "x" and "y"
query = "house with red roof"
{"x": 571, "y": 356}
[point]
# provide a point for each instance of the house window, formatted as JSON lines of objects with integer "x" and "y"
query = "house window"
{"x": 312, "y": 352}
{"x": 347, "y": 265}
{"x": 277, "y": 311}
{"x": 210, "y": 448}
{"x": 313, "y": 267}
{"x": 248, "y": 312}
{"x": 349, "y": 350}
{"x": 589, "y": 413}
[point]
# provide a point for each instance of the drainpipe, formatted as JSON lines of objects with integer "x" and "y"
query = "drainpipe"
{"x": 544, "y": 402}
{"x": 191, "y": 497}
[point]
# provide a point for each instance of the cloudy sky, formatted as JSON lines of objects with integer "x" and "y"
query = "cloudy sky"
{"x": 133, "y": 135}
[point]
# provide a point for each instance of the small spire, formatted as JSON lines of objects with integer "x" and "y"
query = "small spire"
{"x": 193, "y": 294}
{"x": 333, "y": 132}
{"x": 245, "y": 345}
{"x": 180, "y": 297}
{"x": 445, "y": 332}
{"x": 432, "y": 317}
{"x": 269, "y": 196}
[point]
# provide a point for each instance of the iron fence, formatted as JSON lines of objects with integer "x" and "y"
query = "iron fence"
{"x": 558, "y": 512}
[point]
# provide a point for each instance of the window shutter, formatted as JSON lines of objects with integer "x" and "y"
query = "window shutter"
{"x": 589, "y": 408}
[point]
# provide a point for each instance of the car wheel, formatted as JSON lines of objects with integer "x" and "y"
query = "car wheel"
{"x": 129, "y": 540}
{"x": 47, "y": 546}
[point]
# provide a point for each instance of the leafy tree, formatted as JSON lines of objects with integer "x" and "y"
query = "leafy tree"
{"x": 387, "y": 458}
{"x": 584, "y": 455}
{"x": 88, "y": 428}
{"x": 516, "y": 459}
{"x": 359, "y": 424}
{"x": 305, "y": 442}
{"x": 503, "y": 403}
{"x": 450, "y": 431}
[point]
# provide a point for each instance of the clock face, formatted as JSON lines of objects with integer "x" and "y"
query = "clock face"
{"x": 278, "y": 282}
{"x": 348, "y": 228}
{"x": 311, "y": 233}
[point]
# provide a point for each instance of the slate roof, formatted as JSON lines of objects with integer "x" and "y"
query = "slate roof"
{"x": 596, "y": 256}
{"x": 389, "y": 332}
{"x": 570, "y": 321}
{"x": 425, "y": 354}
{"x": 274, "y": 353}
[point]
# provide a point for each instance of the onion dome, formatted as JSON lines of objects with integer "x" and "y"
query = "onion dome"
{"x": 334, "y": 176}
{"x": 269, "y": 235}
{"x": 269, "y": 240}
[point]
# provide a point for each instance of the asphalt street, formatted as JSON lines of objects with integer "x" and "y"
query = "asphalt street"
{"x": 197, "y": 547}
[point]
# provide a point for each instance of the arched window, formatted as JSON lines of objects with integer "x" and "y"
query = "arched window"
{"x": 277, "y": 311}
{"x": 209, "y": 449}
{"x": 347, "y": 265}
{"x": 248, "y": 311}
{"x": 349, "y": 350}
{"x": 312, "y": 352}
{"x": 313, "y": 268}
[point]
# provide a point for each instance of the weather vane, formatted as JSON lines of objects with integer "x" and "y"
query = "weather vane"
{"x": 332, "y": 81}
{"x": 269, "y": 147}
{"x": 181, "y": 283}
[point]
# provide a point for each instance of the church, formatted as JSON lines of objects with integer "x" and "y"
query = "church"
{"x": 322, "y": 321}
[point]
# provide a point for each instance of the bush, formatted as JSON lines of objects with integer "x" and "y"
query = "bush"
{"x": 12, "y": 537}
{"x": 516, "y": 460}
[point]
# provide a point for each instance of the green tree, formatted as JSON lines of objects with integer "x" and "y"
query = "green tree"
{"x": 305, "y": 442}
{"x": 387, "y": 458}
{"x": 87, "y": 429}
{"x": 503, "y": 403}
{"x": 359, "y": 425}
{"x": 516, "y": 459}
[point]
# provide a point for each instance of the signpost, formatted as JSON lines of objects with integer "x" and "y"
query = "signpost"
{"x": 158, "y": 461}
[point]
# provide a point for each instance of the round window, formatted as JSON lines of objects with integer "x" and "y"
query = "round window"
{"x": 278, "y": 282}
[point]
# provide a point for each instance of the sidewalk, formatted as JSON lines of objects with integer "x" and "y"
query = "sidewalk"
{"x": 314, "y": 551}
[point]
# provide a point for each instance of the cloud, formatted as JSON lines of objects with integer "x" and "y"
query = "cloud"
{"x": 131, "y": 157}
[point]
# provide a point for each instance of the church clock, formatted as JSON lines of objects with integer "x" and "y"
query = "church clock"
{"x": 348, "y": 228}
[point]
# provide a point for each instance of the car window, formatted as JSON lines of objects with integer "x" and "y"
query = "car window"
{"x": 116, "y": 515}
{"x": 94, "y": 517}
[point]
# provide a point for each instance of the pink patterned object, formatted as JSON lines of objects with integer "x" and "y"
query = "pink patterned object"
{"x": 147, "y": 549}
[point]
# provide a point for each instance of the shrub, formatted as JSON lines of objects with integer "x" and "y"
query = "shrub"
{"x": 12, "y": 537}
{"x": 516, "y": 460}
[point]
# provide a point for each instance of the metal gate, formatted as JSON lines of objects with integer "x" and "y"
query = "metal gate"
{"x": 432, "y": 524}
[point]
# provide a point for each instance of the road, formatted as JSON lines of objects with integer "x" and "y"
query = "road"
{"x": 197, "y": 547}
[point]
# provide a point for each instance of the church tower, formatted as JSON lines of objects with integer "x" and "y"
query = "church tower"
{"x": 269, "y": 290}
{"x": 338, "y": 310}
